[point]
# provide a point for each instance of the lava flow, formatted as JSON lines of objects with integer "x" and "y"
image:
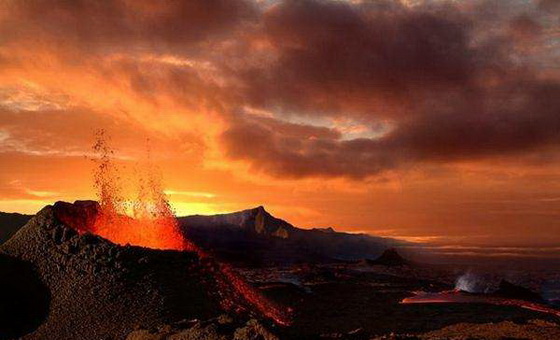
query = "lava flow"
{"x": 457, "y": 296}
{"x": 152, "y": 224}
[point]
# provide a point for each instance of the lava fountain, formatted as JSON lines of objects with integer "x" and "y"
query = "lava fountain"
{"x": 149, "y": 221}
{"x": 152, "y": 223}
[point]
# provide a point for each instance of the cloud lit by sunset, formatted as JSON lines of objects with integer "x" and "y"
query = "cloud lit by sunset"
{"x": 434, "y": 121}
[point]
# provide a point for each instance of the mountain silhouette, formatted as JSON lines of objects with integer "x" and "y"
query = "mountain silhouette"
{"x": 255, "y": 237}
{"x": 509, "y": 290}
{"x": 256, "y": 221}
{"x": 10, "y": 223}
{"x": 389, "y": 258}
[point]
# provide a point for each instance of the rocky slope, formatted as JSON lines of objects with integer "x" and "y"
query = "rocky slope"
{"x": 89, "y": 288}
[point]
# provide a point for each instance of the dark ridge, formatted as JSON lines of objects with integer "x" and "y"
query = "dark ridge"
{"x": 389, "y": 258}
{"x": 250, "y": 237}
{"x": 254, "y": 237}
{"x": 10, "y": 223}
{"x": 325, "y": 230}
{"x": 256, "y": 221}
{"x": 509, "y": 290}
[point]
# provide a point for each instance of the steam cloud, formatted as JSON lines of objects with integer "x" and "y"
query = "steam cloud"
{"x": 473, "y": 283}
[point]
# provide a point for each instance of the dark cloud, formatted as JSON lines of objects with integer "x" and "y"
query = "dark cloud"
{"x": 119, "y": 25}
{"x": 515, "y": 120}
{"x": 453, "y": 80}
{"x": 452, "y": 94}
{"x": 338, "y": 57}
{"x": 523, "y": 121}
{"x": 288, "y": 155}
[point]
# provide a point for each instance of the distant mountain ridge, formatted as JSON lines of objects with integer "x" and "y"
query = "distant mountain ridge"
{"x": 255, "y": 237}
{"x": 256, "y": 220}
{"x": 10, "y": 223}
{"x": 389, "y": 258}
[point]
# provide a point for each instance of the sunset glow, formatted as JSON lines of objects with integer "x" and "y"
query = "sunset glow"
{"x": 426, "y": 120}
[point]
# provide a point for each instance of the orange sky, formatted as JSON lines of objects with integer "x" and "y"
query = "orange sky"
{"x": 429, "y": 120}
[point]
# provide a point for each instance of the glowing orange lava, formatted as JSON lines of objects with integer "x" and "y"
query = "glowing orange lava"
{"x": 152, "y": 223}
{"x": 456, "y": 296}
{"x": 253, "y": 297}
{"x": 149, "y": 222}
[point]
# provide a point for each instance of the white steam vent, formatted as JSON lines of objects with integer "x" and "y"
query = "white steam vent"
{"x": 473, "y": 283}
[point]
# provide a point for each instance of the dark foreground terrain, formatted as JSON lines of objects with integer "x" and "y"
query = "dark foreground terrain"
{"x": 362, "y": 302}
{"x": 57, "y": 284}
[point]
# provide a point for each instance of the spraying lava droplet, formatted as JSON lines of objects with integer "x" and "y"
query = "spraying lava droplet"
{"x": 152, "y": 224}
{"x": 149, "y": 222}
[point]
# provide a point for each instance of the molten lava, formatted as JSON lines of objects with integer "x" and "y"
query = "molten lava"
{"x": 149, "y": 222}
{"x": 152, "y": 223}
{"x": 158, "y": 233}
{"x": 253, "y": 297}
{"x": 457, "y": 296}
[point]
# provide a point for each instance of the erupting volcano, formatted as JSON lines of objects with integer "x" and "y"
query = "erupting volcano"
{"x": 279, "y": 169}
{"x": 149, "y": 222}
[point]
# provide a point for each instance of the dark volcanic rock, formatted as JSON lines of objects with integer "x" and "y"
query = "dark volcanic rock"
{"x": 10, "y": 223}
{"x": 390, "y": 258}
{"x": 509, "y": 290}
{"x": 99, "y": 290}
{"x": 222, "y": 328}
{"x": 533, "y": 330}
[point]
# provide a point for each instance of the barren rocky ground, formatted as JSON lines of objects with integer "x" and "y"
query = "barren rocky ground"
{"x": 58, "y": 284}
